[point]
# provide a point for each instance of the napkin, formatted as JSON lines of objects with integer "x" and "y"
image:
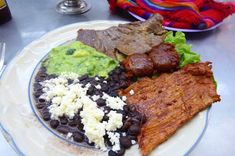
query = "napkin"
{"x": 186, "y": 14}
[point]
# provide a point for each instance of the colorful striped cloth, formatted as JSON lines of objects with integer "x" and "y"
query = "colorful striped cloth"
{"x": 186, "y": 14}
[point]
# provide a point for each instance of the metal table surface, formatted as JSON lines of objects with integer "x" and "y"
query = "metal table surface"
{"x": 32, "y": 19}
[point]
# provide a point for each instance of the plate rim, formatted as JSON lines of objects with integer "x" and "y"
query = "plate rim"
{"x": 180, "y": 29}
{"x": 8, "y": 137}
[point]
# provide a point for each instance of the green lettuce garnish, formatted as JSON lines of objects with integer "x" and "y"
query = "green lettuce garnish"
{"x": 187, "y": 56}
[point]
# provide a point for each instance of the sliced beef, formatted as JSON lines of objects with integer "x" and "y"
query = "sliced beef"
{"x": 138, "y": 65}
{"x": 164, "y": 57}
{"x": 137, "y": 43}
{"x": 170, "y": 101}
{"x": 131, "y": 38}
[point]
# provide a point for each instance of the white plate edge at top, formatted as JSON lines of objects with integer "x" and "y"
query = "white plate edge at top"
{"x": 180, "y": 29}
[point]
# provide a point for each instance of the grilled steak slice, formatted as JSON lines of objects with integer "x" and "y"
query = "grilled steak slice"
{"x": 171, "y": 100}
{"x": 131, "y": 38}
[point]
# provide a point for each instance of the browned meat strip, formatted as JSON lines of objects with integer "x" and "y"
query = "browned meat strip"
{"x": 164, "y": 57}
{"x": 135, "y": 37}
{"x": 171, "y": 100}
{"x": 138, "y": 65}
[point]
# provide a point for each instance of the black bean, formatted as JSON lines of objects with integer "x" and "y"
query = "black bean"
{"x": 41, "y": 75}
{"x": 124, "y": 84}
{"x": 126, "y": 125}
{"x": 116, "y": 87}
{"x": 125, "y": 142}
{"x": 111, "y": 84}
{"x": 122, "y": 77}
{"x": 105, "y": 118}
{"x": 132, "y": 108}
{"x": 107, "y": 141}
{"x": 118, "y": 71}
{"x": 94, "y": 82}
{"x": 54, "y": 123}
{"x": 63, "y": 129}
{"x": 41, "y": 100}
{"x": 40, "y": 105}
{"x": 126, "y": 108}
{"x": 63, "y": 120}
{"x": 37, "y": 86}
{"x": 37, "y": 94}
{"x": 101, "y": 102}
{"x": 115, "y": 78}
{"x": 72, "y": 123}
{"x": 98, "y": 92}
{"x": 112, "y": 153}
{"x": 46, "y": 116}
{"x": 78, "y": 137}
{"x": 90, "y": 90}
{"x": 104, "y": 88}
{"x": 113, "y": 94}
{"x": 80, "y": 127}
{"x": 134, "y": 129}
{"x": 136, "y": 120}
{"x": 120, "y": 111}
{"x": 70, "y": 81}
{"x": 121, "y": 152}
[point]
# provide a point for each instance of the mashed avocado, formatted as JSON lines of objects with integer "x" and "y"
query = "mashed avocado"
{"x": 80, "y": 59}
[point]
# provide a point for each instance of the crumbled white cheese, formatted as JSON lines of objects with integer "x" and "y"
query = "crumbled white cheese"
{"x": 98, "y": 86}
{"x": 133, "y": 142}
{"x": 69, "y": 135}
{"x": 105, "y": 81}
{"x": 113, "y": 102}
{"x": 95, "y": 97}
{"x": 132, "y": 92}
{"x": 124, "y": 134}
{"x": 64, "y": 98}
{"x": 115, "y": 121}
{"x": 114, "y": 139}
{"x": 97, "y": 79}
{"x": 91, "y": 118}
{"x": 88, "y": 85}
{"x": 124, "y": 98}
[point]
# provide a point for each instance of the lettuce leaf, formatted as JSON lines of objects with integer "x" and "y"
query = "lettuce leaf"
{"x": 187, "y": 56}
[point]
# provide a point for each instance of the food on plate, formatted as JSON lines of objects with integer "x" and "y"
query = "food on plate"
{"x": 161, "y": 58}
{"x": 164, "y": 57}
{"x": 80, "y": 59}
{"x": 187, "y": 56}
{"x": 136, "y": 37}
{"x": 105, "y": 96}
{"x": 138, "y": 65}
{"x": 170, "y": 100}
{"x": 87, "y": 110}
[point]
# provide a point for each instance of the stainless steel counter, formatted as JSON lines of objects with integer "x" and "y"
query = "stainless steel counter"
{"x": 32, "y": 19}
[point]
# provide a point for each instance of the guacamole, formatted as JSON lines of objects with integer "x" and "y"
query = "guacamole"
{"x": 80, "y": 59}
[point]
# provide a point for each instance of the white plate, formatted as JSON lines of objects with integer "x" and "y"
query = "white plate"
{"x": 28, "y": 136}
{"x": 179, "y": 29}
